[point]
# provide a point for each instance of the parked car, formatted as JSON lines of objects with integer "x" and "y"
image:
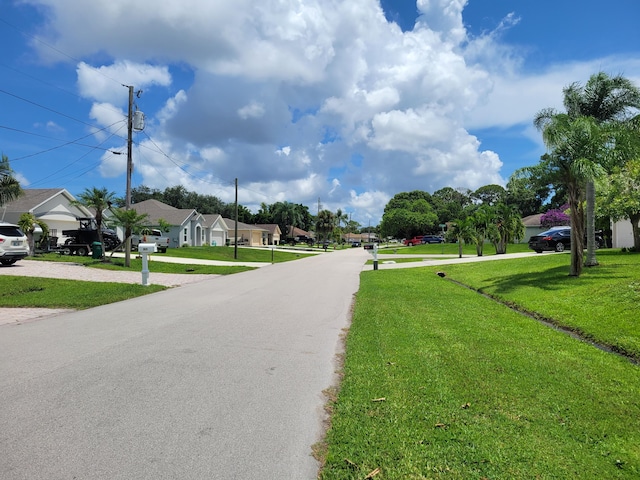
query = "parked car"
{"x": 556, "y": 239}
{"x": 355, "y": 244}
{"x": 410, "y": 242}
{"x": 13, "y": 244}
{"x": 432, "y": 239}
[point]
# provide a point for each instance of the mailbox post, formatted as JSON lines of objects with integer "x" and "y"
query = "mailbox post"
{"x": 145, "y": 249}
{"x": 374, "y": 252}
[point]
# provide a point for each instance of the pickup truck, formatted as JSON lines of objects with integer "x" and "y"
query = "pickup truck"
{"x": 152, "y": 235}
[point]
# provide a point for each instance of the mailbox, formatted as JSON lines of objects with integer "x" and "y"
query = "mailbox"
{"x": 147, "y": 248}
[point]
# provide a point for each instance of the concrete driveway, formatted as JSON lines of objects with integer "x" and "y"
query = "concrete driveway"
{"x": 218, "y": 379}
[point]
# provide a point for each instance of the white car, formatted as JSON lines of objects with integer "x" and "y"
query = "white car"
{"x": 13, "y": 244}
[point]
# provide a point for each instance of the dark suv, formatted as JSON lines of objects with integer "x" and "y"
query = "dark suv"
{"x": 13, "y": 244}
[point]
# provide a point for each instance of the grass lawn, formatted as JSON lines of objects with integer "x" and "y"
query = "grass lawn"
{"x": 227, "y": 253}
{"x": 55, "y": 293}
{"x": 441, "y": 382}
{"x": 117, "y": 263}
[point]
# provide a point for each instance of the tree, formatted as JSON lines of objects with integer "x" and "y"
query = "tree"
{"x": 621, "y": 195}
{"x": 130, "y": 221}
{"x": 286, "y": 214}
{"x": 528, "y": 190}
{"x": 324, "y": 224}
{"x": 406, "y": 216}
{"x": 573, "y": 142}
{"x": 555, "y": 217}
{"x": 98, "y": 199}
{"x": 463, "y": 231}
{"x": 606, "y": 100}
{"x": 9, "y": 186}
{"x": 449, "y": 203}
{"x": 508, "y": 226}
{"x": 28, "y": 224}
{"x": 489, "y": 195}
{"x": 483, "y": 220}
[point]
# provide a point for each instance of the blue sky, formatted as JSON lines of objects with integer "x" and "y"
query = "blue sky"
{"x": 346, "y": 103}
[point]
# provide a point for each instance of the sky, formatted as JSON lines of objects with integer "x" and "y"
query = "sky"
{"x": 329, "y": 103}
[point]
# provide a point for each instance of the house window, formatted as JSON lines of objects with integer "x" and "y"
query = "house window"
{"x": 53, "y": 232}
{"x": 185, "y": 235}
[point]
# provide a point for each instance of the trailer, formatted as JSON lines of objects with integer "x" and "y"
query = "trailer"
{"x": 80, "y": 241}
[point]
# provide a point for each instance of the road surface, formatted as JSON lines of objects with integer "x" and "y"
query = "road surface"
{"x": 219, "y": 379}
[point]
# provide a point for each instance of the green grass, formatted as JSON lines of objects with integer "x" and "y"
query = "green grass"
{"x": 601, "y": 304}
{"x": 449, "y": 249}
{"x": 441, "y": 382}
{"x": 55, "y": 293}
{"x": 117, "y": 263}
{"x": 227, "y": 254}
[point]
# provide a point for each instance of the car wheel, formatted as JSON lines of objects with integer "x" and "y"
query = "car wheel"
{"x": 66, "y": 251}
{"x": 559, "y": 247}
{"x": 82, "y": 251}
{"x": 7, "y": 262}
{"x": 538, "y": 251}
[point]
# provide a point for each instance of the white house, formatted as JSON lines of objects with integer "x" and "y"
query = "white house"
{"x": 53, "y": 206}
{"x": 187, "y": 226}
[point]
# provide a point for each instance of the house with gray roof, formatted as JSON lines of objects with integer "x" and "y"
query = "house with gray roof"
{"x": 216, "y": 231}
{"x": 53, "y": 206}
{"x": 187, "y": 226}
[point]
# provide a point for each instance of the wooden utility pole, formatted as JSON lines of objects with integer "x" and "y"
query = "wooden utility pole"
{"x": 235, "y": 233}
{"x": 127, "y": 198}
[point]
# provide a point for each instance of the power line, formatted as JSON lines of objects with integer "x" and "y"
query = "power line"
{"x": 70, "y": 142}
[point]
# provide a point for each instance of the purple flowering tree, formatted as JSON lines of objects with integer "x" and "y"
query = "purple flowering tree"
{"x": 554, "y": 218}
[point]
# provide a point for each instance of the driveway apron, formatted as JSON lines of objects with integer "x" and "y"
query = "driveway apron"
{"x": 220, "y": 379}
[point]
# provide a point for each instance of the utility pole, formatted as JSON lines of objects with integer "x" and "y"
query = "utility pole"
{"x": 235, "y": 233}
{"x": 127, "y": 198}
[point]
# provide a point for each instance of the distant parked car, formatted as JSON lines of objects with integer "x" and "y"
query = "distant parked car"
{"x": 432, "y": 239}
{"x": 13, "y": 244}
{"x": 556, "y": 239}
{"x": 410, "y": 242}
{"x": 355, "y": 244}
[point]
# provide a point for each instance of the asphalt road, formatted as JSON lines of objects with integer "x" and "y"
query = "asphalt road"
{"x": 219, "y": 379}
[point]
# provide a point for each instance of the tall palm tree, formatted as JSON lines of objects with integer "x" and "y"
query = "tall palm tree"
{"x": 9, "y": 186}
{"x": 573, "y": 141}
{"x": 325, "y": 223}
{"x": 608, "y": 100}
{"x": 98, "y": 199}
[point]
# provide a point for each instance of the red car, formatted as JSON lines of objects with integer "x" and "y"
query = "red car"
{"x": 410, "y": 242}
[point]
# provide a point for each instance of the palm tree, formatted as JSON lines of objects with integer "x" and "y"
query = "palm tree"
{"x": 9, "y": 186}
{"x": 28, "y": 224}
{"x": 608, "y": 100}
{"x": 130, "y": 222}
{"x": 574, "y": 141}
{"x": 286, "y": 214}
{"x": 464, "y": 232}
{"x": 509, "y": 226}
{"x": 98, "y": 199}
{"x": 483, "y": 220}
{"x": 325, "y": 223}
